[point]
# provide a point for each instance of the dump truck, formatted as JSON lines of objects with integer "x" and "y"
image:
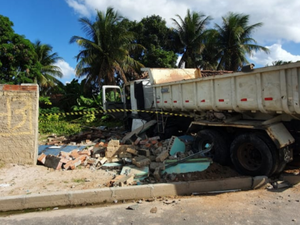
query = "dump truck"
{"x": 252, "y": 118}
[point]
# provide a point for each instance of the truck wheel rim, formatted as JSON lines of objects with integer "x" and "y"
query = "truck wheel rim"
{"x": 249, "y": 156}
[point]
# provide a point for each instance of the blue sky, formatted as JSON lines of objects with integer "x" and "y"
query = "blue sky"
{"x": 54, "y": 22}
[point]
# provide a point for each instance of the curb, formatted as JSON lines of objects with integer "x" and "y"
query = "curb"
{"x": 105, "y": 195}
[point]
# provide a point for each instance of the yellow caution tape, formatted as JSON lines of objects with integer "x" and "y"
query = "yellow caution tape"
{"x": 115, "y": 111}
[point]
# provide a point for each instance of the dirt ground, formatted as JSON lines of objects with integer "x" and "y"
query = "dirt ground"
{"x": 26, "y": 180}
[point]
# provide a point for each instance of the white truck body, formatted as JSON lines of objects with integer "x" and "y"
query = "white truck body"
{"x": 273, "y": 89}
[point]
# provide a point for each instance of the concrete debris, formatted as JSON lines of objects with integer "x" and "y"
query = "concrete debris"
{"x": 132, "y": 207}
{"x": 281, "y": 184}
{"x": 136, "y": 158}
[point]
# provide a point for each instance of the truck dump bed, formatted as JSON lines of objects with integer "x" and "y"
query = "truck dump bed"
{"x": 273, "y": 89}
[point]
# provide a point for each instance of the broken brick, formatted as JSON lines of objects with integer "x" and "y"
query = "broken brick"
{"x": 162, "y": 156}
{"x": 64, "y": 160}
{"x": 147, "y": 145}
{"x": 144, "y": 152}
{"x": 92, "y": 161}
{"x": 103, "y": 160}
{"x": 64, "y": 154}
{"x": 137, "y": 141}
{"x": 72, "y": 164}
{"x": 52, "y": 161}
{"x": 141, "y": 161}
{"x": 124, "y": 155}
{"x": 120, "y": 180}
{"x": 42, "y": 158}
{"x": 154, "y": 142}
{"x": 74, "y": 154}
{"x": 158, "y": 150}
{"x": 143, "y": 142}
{"x": 112, "y": 148}
{"x": 85, "y": 152}
{"x": 132, "y": 151}
{"x": 154, "y": 138}
{"x": 155, "y": 165}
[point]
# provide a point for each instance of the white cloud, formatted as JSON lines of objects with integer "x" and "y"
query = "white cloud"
{"x": 79, "y": 7}
{"x": 67, "y": 70}
{"x": 276, "y": 53}
{"x": 280, "y": 18}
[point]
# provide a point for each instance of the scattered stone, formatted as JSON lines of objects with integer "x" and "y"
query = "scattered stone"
{"x": 153, "y": 210}
{"x": 133, "y": 207}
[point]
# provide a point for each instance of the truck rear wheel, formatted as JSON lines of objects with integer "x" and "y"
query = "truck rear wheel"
{"x": 254, "y": 154}
{"x": 220, "y": 151}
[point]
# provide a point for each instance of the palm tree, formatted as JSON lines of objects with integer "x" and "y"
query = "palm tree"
{"x": 49, "y": 71}
{"x": 235, "y": 42}
{"x": 105, "y": 55}
{"x": 280, "y": 62}
{"x": 191, "y": 31}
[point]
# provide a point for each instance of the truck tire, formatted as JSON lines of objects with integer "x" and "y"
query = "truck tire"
{"x": 253, "y": 154}
{"x": 220, "y": 150}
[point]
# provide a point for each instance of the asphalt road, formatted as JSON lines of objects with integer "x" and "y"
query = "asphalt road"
{"x": 274, "y": 207}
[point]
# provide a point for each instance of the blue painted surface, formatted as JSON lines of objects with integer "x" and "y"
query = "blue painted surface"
{"x": 177, "y": 146}
{"x": 191, "y": 165}
{"x": 139, "y": 173}
{"x": 54, "y": 150}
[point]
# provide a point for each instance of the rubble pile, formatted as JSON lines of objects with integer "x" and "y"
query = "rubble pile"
{"x": 136, "y": 157}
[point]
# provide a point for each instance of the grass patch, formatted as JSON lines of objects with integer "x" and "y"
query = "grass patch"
{"x": 59, "y": 128}
{"x": 65, "y": 126}
{"x": 2, "y": 164}
{"x": 79, "y": 180}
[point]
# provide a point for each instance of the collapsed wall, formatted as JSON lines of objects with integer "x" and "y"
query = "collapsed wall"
{"x": 19, "y": 123}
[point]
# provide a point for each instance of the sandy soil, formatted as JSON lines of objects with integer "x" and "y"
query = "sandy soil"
{"x": 26, "y": 180}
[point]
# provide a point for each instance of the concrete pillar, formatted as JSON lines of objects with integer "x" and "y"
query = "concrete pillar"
{"x": 19, "y": 105}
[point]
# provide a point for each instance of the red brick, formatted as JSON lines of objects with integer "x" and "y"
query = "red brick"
{"x": 64, "y": 154}
{"x": 153, "y": 142}
{"x": 143, "y": 142}
{"x": 65, "y": 160}
{"x": 85, "y": 152}
{"x": 147, "y": 145}
{"x": 42, "y": 158}
{"x": 8, "y": 87}
{"x": 74, "y": 163}
{"x": 74, "y": 154}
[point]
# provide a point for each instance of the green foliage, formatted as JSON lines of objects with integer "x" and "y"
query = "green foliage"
{"x": 59, "y": 127}
{"x": 18, "y": 60}
{"x": 88, "y": 105}
{"x": 47, "y": 80}
{"x": 192, "y": 33}
{"x": 280, "y": 62}
{"x": 50, "y": 110}
{"x": 159, "y": 58}
{"x": 234, "y": 41}
{"x": 45, "y": 100}
{"x": 71, "y": 92}
{"x": 160, "y": 42}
